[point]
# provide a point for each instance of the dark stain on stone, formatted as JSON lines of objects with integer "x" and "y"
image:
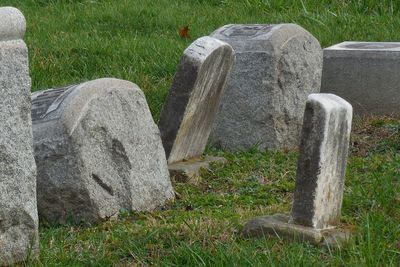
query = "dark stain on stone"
{"x": 106, "y": 187}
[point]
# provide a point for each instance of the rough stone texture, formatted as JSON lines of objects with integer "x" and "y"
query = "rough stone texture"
{"x": 194, "y": 97}
{"x": 98, "y": 151}
{"x": 322, "y": 161}
{"x": 276, "y": 68}
{"x": 278, "y": 225}
{"x": 189, "y": 171}
{"x": 366, "y": 74}
{"x": 18, "y": 209}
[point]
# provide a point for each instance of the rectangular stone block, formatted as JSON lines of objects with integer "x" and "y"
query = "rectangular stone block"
{"x": 18, "y": 210}
{"x": 322, "y": 161}
{"x": 276, "y": 68}
{"x": 98, "y": 151}
{"x": 366, "y": 74}
{"x": 194, "y": 97}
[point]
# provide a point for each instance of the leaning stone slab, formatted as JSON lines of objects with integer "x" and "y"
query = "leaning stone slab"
{"x": 276, "y": 68}
{"x": 321, "y": 168}
{"x": 98, "y": 151}
{"x": 18, "y": 209}
{"x": 194, "y": 97}
{"x": 366, "y": 74}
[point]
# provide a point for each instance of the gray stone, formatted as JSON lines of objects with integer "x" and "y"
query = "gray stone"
{"x": 98, "y": 151}
{"x": 18, "y": 209}
{"x": 194, "y": 97}
{"x": 279, "y": 226}
{"x": 190, "y": 171}
{"x": 365, "y": 74}
{"x": 322, "y": 161}
{"x": 276, "y": 68}
{"x": 321, "y": 167}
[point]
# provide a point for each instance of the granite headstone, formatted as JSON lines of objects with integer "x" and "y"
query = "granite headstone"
{"x": 276, "y": 68}
{"x": 98, "y": 151}
{"x": 19, "y": 236}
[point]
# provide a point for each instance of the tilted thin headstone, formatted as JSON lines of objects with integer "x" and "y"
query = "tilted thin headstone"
{"x": 366, "y": 74}
{"x": 18, "y": 210}
{"x": 276, "y": 68}
{"x": 194, "y": 97}
{"x": 322, "y": 162}
{"x": 320, "y": 178}
{"x": 98, "y": 151}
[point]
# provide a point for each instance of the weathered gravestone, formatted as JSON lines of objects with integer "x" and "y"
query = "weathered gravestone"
{"x": 320, "y": 178}
{"x": 276, "y": 68}
{"x": 366, "y": 74}
{"x": 18, "y": 211}
{"x": 98, "y": 151}
{"x": 194, "y": 97}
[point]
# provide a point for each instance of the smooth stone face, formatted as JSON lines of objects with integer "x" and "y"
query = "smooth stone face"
{"x": 365, "y": 74}
{"x": 322, "y": 161}
{"x": 98, "y": 151}
{"x": 194, "y": 97}
{"x": 18, "y": 208}
{"x": 276, "y": 68}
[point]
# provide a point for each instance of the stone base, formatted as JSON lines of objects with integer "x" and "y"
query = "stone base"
{"x": 278, "y": 225}
{"x": 189, "y": 171}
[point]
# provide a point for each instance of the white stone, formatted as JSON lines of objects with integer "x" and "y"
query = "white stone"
{"x": 322, "y": 161}
{"x": 194, "y": 97}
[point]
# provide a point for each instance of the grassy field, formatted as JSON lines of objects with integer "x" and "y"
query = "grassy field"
{"x": 72, "y": 41}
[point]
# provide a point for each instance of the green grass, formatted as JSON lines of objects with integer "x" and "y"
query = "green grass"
{"x": 72, "y": 41}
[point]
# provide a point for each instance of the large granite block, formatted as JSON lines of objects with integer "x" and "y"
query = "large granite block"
{"x": 276, "y": 68}
{"x": 98, "y": 151}
{"x": 194, "y": 97}
{"x": 18, "y": 209}
{"x": 321, "y": 168}
{"x": 366, "y": 74}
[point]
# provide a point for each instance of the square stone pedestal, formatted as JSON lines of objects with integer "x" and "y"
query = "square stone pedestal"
{"x": 279, "y": 225}
{"x": 189, "y": 171}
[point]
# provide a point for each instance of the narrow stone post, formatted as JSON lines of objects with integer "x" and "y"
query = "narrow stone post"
{"x": 320, "y": 178}
{"x": 18, "y": 212}
{"x": 193, "y": 100}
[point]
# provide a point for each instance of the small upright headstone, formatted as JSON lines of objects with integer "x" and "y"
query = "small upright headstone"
{"x": 98, "y": 151}
{"x": 18, "y": 212}
{"x": 194, "y": 97}
{"x": 320, "y": 178}
{"x": 366, "y": 74}
{"x": 276, "y": 68}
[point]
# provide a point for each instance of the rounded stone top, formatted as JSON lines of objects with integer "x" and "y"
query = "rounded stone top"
{"x": 12, "y": 24}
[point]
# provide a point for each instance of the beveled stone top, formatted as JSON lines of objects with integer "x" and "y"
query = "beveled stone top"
{"x": 12, "y": 24}
{"x": 366, "y": 46}
{"x": 243, "y": 31}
